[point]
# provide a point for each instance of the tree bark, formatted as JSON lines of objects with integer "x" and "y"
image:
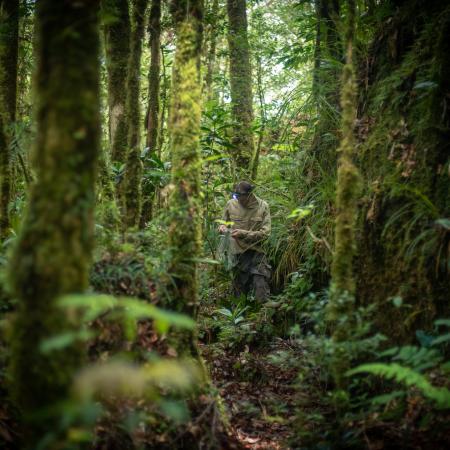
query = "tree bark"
{"x": 404, "y": 124}
{"x": 52, "y": 253}
{"x": 342, "y": 293}
{"x": 211, "y": 57}
{"x": 117, "y": 36}
{"x": 9, "y": 41}
{"x": 133, "y": 172}
{"x": 153, "y": 105}
{"x": 241, "y": 86}
{"x": 184, "y": 128}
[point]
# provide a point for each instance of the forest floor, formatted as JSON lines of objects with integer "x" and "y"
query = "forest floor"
{"x": 259, "y": 389}
{"x": 258, "y": 394}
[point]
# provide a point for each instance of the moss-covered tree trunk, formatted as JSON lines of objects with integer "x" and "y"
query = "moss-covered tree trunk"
{"x": 52, "y": 252}
{"x": 184, "y": 129}
{"x": 405, "y": 133}
{"x": 241, "y": 85}
{"x": 348, "y": 191}
{"x": 153, "y": 105}
{"x": 133, "y": 171}
{"x": 9, "y": 35}
{"x": 117, "y": 39}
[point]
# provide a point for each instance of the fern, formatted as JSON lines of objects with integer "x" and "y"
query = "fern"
{"x": 408, "y": 377}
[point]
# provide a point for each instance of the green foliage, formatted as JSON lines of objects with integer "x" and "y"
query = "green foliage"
{"x": 408, "y": 377}
{"x": 98, "y": 389}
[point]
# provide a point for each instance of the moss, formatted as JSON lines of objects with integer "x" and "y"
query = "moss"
{"x": 117, "y": 39}
{"x": 133, "y": 171}
{"x": 342, "y": 292}
{"x": 347, "y": 196}
{"x": 52, "y": 253}
{"x": 406, "y": 157}
{"x": 153, "y": 104}
{"x": 185, "y": 197}
{"x": 9, "y": 38}
{"x": 240, "y": 86}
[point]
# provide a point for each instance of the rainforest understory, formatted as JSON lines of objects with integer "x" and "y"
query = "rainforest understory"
{"x": 126, "y": 130}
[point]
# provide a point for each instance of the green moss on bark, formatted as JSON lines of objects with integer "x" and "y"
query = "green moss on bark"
{"x": 117, "y": 42}
{"x": 240, "y": 85}
{"x": 52, "y": 253}
{"x": 342, "y": 292}
{"x": 406, "y": 158}
{"x": 185, "y": 199}
{"x": 133, "y": 171}
{"x": 153, "y": 105}
{"x": 9, "y": 36}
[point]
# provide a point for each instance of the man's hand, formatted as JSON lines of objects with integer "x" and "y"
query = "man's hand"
{"x": 237, "y": 234}
{"x": 222, "y": 229}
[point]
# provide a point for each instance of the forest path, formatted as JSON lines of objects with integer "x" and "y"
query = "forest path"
{"x": 259, "y": 394}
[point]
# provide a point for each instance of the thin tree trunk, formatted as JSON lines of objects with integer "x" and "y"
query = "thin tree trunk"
{"x": 133, "y": 172}
{"x": 53, "y": 251}
{"x": 153, "y": 105}
{"x": 262, "y": 129}
{"x": 348, "y": 187}
{"x": 117, "y": 44}
{"x": 9, "y": 41}
{"x": 211, "y": 57}
{"x": 241, "y": 85}
{"x": 162, "y": 119}
{"x": 185, "y": 201}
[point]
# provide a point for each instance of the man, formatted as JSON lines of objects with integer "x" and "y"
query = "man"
{"x": 250, "y": 218}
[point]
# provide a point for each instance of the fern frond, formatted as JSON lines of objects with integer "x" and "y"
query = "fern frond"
{"x": 408, "y": 377}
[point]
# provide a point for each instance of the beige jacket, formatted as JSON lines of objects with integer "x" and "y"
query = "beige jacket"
{"x": 254, "y": 219}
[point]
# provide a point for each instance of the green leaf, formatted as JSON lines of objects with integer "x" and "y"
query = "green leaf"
{"x": 408, "y": 377}
{"x": 64, "y": 340}
{"x": 441, "y": 339}
{"x": 205, "y": 261}
{"x": 386, "y": 398}
{"x": 444, "y": 322}
{"x": 95, "y": 305}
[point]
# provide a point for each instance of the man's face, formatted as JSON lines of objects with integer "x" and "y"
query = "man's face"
{"x": 243, "y": 198}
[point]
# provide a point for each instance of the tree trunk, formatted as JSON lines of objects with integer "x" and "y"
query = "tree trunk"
{"x": 9, "y": 38}
{"x": 404, "y": 125}
{"x": 52, "y": 253}
{"x": 326, "y": 78}
{"x": 165, "y": 88}
{"x": 185, "y": 201}
{"x": 133, "y": 172}
{"x": 211, "y": 57}
{"x": 342, "y": 292}
{"x": 153, "y": 106}
{"x": 241, "y": 86}
{"x": 117, "y": 37}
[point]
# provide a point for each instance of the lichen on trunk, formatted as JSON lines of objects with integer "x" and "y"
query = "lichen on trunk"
{"x": 52, "y": 252}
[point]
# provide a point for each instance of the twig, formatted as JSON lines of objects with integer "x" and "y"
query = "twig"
{"x": 319, "y": 240}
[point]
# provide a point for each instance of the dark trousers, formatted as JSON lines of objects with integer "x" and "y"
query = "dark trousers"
{"x": 252, "y": 274}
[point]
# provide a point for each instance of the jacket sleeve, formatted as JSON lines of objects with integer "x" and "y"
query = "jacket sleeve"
{"x": 226, "y": 213}
{"x": 264, "y": 231}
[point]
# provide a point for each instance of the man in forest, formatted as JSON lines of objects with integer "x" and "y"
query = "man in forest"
{"x": 249, "y": 217}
